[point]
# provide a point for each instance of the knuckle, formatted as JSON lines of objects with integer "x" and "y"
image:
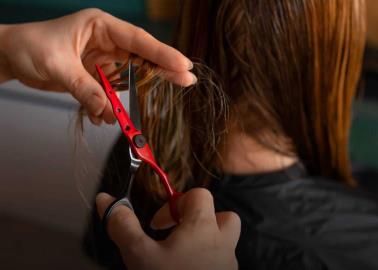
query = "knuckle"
{"x": 201, "y": 219}
{"x": 118, "y": 217}
{"x": 97, "y": 21}
{"x": 49, "y": 62}
{"x": 201, "y": 193}
{"x": 138, "y": 33}
{"x": 92, "y": 12}
{"x": 75, "y": 85}
{"x": 95, "y": 17}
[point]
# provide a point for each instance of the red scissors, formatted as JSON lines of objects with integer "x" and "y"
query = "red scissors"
{"x": 139, "y": 149}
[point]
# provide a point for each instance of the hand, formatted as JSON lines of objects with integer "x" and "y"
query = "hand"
{"x": 203, "y": 239}
{"x": 60, "y": 54}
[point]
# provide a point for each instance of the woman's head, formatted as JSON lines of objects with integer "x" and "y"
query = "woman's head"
{"x": 289, "y": 68}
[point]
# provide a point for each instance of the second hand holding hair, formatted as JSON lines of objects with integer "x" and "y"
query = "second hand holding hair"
{"x": 203, "y": 240}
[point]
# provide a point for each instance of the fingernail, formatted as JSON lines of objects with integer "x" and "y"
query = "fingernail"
{"x": 190, "y": 65}
{"x": 95, "y": 106}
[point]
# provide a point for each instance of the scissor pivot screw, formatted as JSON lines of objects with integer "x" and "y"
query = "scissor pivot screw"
{"x": 139, "y": 140}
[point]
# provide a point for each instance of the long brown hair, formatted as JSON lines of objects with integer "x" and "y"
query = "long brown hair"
{"x": 290, "y": 69}
{"x": 286, "y": 69}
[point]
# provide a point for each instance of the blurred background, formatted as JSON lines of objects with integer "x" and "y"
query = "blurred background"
{"x": 45, "y": 198}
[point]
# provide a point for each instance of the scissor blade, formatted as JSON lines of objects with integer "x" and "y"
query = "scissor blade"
{"x": 133, "y": 99}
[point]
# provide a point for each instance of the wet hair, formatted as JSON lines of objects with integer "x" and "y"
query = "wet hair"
{"x": 284, "y": 72}
{"x": 168, "y": 115}
{"x": 290, "y": 70}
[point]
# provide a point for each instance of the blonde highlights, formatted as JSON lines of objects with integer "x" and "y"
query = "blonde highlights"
{"x": 175, "y": 120}
{"x": 290, "y": 69}
{"x": 284, "y": 69}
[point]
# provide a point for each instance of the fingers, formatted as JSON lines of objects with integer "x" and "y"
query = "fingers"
{"x": 84, "y": 88}
{"x": 198, "y": 203}
{"x": 108, "y": 114}
{"x": 229, "y": 226}
{"x": 184, "y": 79}
{"x": 88, "y": 92}
{"x": 134, "y": 39}
{"x": 138, "y": 41}
{"x": 123, "y": 226}
{"x": 194, "y": 206}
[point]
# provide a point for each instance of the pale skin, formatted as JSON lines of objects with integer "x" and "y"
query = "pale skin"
{"x": 244, "y": 155}
{"x": 203, "y": 240}
{"x": 59, "y": 55}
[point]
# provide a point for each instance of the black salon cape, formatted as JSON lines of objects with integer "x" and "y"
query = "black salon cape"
{"x": 289, "y": 220}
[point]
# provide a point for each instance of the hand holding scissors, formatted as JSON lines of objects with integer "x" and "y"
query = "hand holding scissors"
{"x": 139, "y": 149}
{"x": 203, "y": 240}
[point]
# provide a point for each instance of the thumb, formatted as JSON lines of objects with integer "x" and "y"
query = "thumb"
{"x": 123, "y": 227}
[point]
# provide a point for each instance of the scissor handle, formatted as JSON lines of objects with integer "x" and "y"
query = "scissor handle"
{"x": 137, "y": 142}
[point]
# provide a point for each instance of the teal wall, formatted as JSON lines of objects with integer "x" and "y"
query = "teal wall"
{"x": 134, "y": 11}
{"x": 23, "y": 10}
{"x": 364, "y": 136}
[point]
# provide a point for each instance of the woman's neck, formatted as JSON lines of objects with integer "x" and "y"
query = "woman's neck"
{"x": 244, "y": 155}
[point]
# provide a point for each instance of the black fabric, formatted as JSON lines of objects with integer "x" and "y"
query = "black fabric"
{"x": 292, "y": 221}
{"x": 289, "y": 220}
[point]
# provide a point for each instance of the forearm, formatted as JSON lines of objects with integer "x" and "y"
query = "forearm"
{"x": 5, "y": 71}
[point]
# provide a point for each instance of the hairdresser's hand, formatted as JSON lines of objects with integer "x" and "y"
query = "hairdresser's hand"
{"x": 60, "y": 55}
{"x": 203, "y": 240}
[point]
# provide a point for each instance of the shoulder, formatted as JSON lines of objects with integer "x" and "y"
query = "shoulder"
{"x": 321, "y": 206}
{"x": 257, "y": 250}
{"x": 337, "y": 224}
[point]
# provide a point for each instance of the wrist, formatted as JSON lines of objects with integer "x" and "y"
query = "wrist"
{"x": 5, "y": 70}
